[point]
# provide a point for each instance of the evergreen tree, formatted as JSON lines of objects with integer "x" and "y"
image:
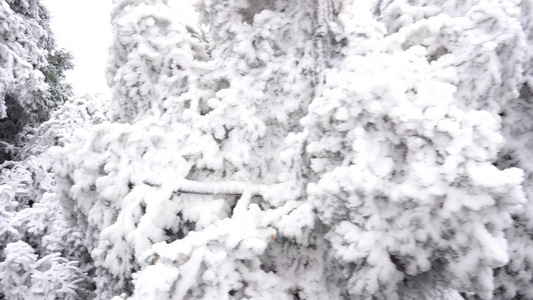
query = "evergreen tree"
{"x": 31, "y": 71}
{"x": 33, "y": 231}
{"x": 321, "y": 149}
{"x": 31, "y": 215}
{"x": 51, "y": 277}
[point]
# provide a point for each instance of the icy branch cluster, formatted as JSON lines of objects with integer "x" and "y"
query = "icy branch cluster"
{"x": 43, "y": 256}
{"x": 406, "y": 180}
{"x": 51, "y": 277}
{"x": 25, "y": 43}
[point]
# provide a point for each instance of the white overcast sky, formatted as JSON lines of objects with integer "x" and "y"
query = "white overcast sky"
{"x": 83, "y": 28}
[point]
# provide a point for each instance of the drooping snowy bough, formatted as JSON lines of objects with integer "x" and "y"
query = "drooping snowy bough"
{"x": 307, "y": 150}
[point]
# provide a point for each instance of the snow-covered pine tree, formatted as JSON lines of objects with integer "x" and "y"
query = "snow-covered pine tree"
{"x": 24, "y": 276}
{"x": 32, "y": 84}
{"x": 501, "y": 50}
{"x": 118, "y": 178}
{"x": 32, "y": 215}
{"x": 183, "y": 109}
{"x": 31, "y": 71}
{"x": 404, "y": 138}
{"x": 322, "y": 149}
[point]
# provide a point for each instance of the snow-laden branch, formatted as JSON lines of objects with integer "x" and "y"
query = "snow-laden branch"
{"x": 221, "y": 188}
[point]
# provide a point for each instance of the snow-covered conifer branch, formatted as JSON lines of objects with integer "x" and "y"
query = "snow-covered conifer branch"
{"x": 221, "y": 188}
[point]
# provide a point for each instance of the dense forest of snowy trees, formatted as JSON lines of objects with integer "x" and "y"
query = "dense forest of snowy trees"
{"x": 272, "y": 149}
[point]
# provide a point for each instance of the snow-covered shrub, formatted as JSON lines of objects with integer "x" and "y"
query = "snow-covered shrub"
{"x": 156, "y": 59}
{"x": 308, "y": 150}
{"x": 492, "y": 40}
{"x": 116, "y": 191}
{"x": 190, "y": 118}
{"x": 31, "y": 212}
{"x": 16, "y": 270}
{"x": 24, "y": 276}
{"x": 26, "y": 40}
{"x": 222, "y": 259}
{"x": 406, "y": 184}
{"x": 8, "y": 206}
{"x": 32, "y": 80}
{"x": 404, "y": 137}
